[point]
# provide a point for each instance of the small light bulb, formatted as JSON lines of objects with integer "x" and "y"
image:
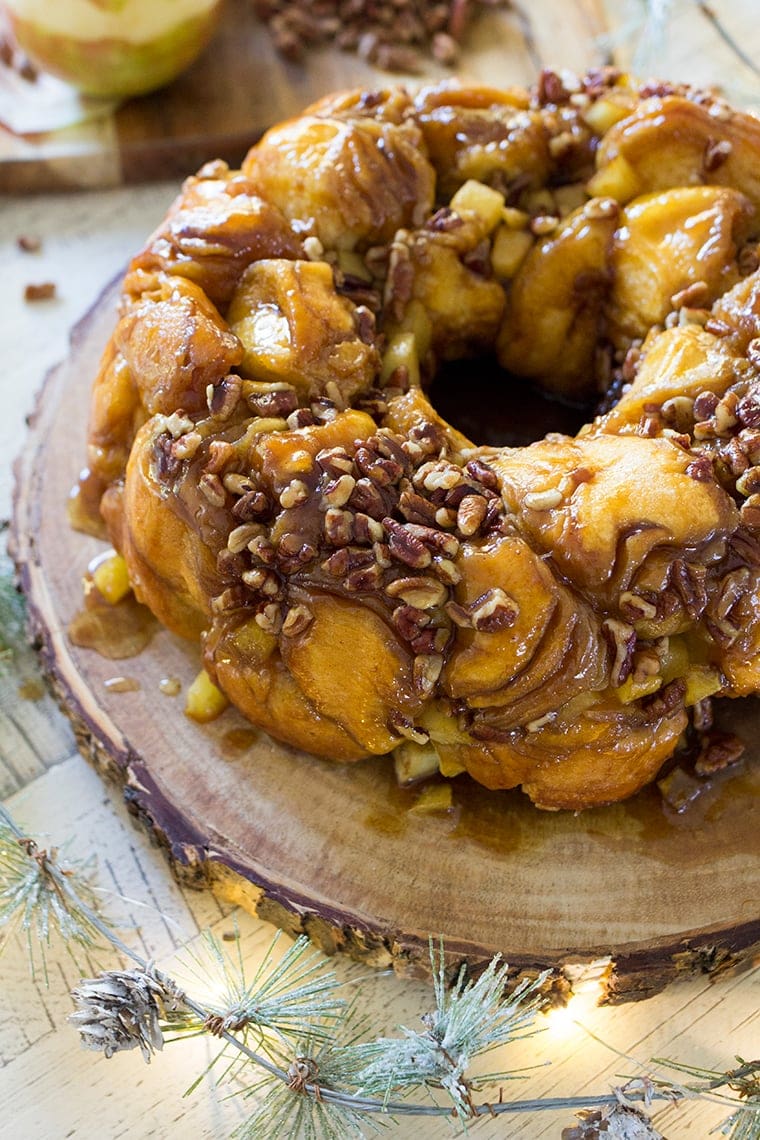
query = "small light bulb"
{"x": 561, "y": 1020}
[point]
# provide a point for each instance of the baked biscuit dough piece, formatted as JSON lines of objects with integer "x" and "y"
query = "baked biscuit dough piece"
{"x": 555, "y": 305}
{"x": 295, "y": 328}
{"x": 167, "y": 348}
{"x": 347, "y": 183}
{"x": 218, "y": 226}
{"x": 668, "y": 243}
{"x": 671, "y": 140}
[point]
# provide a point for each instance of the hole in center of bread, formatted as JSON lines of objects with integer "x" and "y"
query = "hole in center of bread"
{"x": 495, "y": 408}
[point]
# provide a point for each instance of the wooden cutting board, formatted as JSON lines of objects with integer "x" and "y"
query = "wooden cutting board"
{"x": 240, "y": 86}
{"x": 334, "y": 849}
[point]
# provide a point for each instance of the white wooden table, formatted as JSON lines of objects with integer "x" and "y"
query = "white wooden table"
{"x": 49, "y": 1088}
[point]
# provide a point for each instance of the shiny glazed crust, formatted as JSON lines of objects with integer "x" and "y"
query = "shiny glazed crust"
{"x": 363, "y": 577}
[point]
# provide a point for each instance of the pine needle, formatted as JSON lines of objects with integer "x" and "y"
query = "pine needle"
{"x": 42, "y": 897}
{"x": 300, "y": 1106}
{"x": 12, "y": 616}
{"x": 744, "y": 1124}
{"x": 744, "y": 1080}
{"x": 470, "y": 1019}
{"x": 290, "y": 998}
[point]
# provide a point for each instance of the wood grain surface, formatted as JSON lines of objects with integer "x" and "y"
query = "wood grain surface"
{"x": 334, "y": 850}
{"x": 240, "y": 86}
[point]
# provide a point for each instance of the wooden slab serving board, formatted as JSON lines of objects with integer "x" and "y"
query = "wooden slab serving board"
{"x": 240, "y": 86}
{"x": 333, "y": 850}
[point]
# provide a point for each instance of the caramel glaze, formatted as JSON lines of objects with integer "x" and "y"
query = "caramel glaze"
{"x": 725, "y": 815}
{"x": 83, "y": 505}
{"x": 236, "y": 741}
{"x": 31, "y": 689}
{"x": 495, "y": 820}
{"x": 114, "y": 631}
{"x": 121, "y": 684}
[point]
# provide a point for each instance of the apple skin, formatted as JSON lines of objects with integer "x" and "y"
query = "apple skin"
{"x": 115, "y": 67}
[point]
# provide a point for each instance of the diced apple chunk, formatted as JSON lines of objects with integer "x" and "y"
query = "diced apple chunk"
{"x": 433, "y": 800}
{"x": 111, "y": 579}
{"x": 618, "y": 180}
{"x": 204, "y": 701}
{"x": 510, "y": 247}
{"x": 701, "y": 682}
{"x": 634, "y": 688}
{"x": 401, "y": 353}
{"x": 414, "y": 762}
{"x": 483, "y": 201}
{"x": 603, "y": 114}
